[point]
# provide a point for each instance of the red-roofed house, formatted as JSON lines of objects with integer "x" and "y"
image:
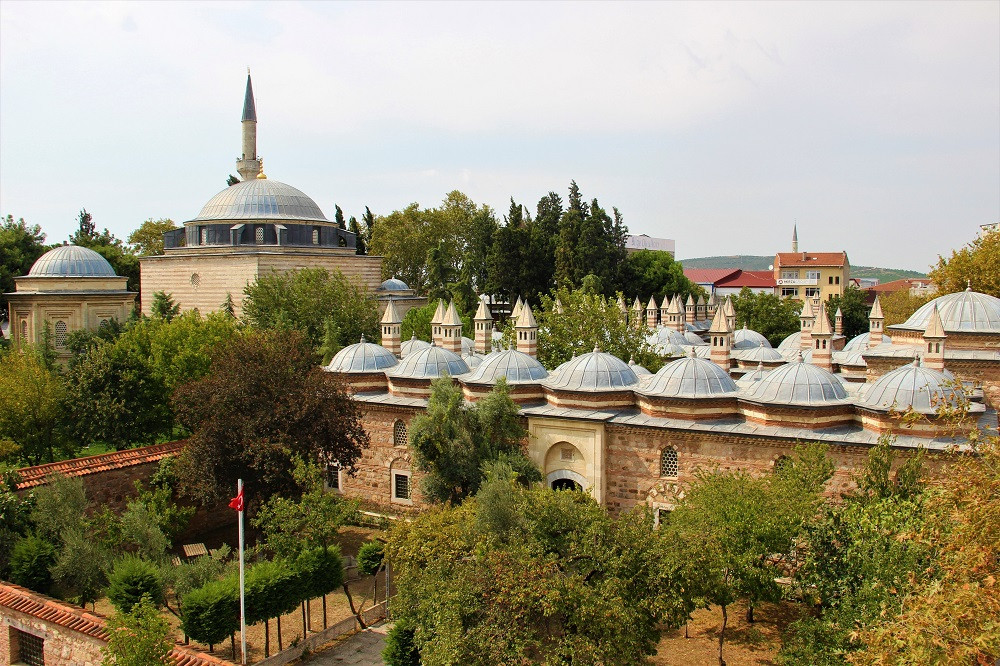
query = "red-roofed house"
{"x": 725, "y": 281}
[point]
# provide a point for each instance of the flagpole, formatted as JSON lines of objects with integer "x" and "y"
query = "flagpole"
{"x": 243, "y": 626}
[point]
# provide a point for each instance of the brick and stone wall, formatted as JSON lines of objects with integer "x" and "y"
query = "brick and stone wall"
{"x": 372, "y": 478}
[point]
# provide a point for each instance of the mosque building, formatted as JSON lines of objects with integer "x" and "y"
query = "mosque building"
{"x": 250, "y": 229}
{"x": 630, "y": 437}
{"x": 67, "y": 289}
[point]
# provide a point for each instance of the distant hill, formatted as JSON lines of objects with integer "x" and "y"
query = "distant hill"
{"x": 750, "y": 262}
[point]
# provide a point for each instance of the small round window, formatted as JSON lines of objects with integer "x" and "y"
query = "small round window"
{"x": 195, "y": 279}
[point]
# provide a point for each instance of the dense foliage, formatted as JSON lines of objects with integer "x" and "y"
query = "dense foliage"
{"x": 20, "y": 245}
{"x": 139, "y": 637}
{"x": 133, "y": 579}
{"x": 853, "y": 308}
{"x": 977, "y": 265}
{"x": 773, "y": 317}
{"x": 32, "y": 398}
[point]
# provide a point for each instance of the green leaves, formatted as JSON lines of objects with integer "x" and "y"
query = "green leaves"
{"x": 131, "y": 579}
{"x": 774, "y": 318}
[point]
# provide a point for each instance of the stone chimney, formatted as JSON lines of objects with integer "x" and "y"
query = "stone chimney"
{"x": 934, "y": 337}
{"x": 875, "y": 321}
{"x": 526, "y": 332}
{"x": 451, "y": 330}
{"x": 721, "y": 337}
{"x": 675, "y": 320}
{"x": 822, "y": 341}
{"x": 689, "y": 309}
{"x": 729, "y": 312}
{"x": 483, "y": 322}
{"x": 636, "y": 317}
{"x": 838, "y": 322}
{"x": 651, "y": 311}
{"x": 806, "y": 320}
{"x": 390, "y": 328}
{"x": 700, "y": 309}
{"x": 436, "y": 337}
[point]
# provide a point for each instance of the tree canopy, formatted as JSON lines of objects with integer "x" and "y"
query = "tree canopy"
{"x": 976, "y": 265}
{"x": 147, "y": 240}
{"x": 773, "y": 317}
{"x": 853, "y": 308}
{"x": 119, "y": 255}
{"x": 20, "y": 245}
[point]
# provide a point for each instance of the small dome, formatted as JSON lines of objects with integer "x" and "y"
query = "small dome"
{"x": 71, "y": 261}
{"x": 412, "y": 345}
{"x": 860, "y": 342}
{"x": 665, "y": 336}
{"x": 690, "y": 377}
{"x": 392, "y": 284}
{"x": 468, "y": 346}
{"x": 912, "y": 386}
{"x": 962, "y": 312}
{"x": 745, "y": 338}
{"x": 702, "y": 351}
{"x": 638, "y": 369}
{"x": 694, "y": 339}
{"x": 751, "y": 377}
{"x": 260, "y": 199}
{"x": 852, "y": 357}
{"x": 473, "y": 360}
{"x": 797, "y": 383}
{"x": 762, "y": 352}
{"x": 670, "y": 349}
{"x": 595, "y": 371}
{"x": 792, "y": 341}
{"x": 517, "y": 367}
{"x": 362, "y": 357}
{"x": 427, "y": 363}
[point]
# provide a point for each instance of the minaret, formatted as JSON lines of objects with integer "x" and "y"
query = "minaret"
{"x": 806, "y": 320}
{"x": 934, "y": 337}
{"x": 249, "y": 165}
{"x": 451, "y": 330}
{"x": 484, "y": 328}
{"x": 526, "y": 332}
{"x": 795, "y": 238}
{"x": 729, "y": 312}
{"x": 875, "y": 321}
{"x": 651, "y": 311}
{"x": 838, "y": 322}
{"x": 822, "y": 336}
{"x": 675, "y": 320}
{"x": 390, "y": 328}
{"x": 436, "y": 336}
{"x": 722, "y": 340}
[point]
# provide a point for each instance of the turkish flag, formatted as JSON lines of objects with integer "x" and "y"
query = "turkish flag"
{"x": 237, "y": 502}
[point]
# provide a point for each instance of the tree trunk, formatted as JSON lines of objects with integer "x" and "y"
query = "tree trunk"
{"x": 305, "y": 626}
{"x": 324, "y": 611}
{"x": 282, "y": 647}
{"x": 722, "y": 633}
{"x": 267, "y": 638}
{"x": 686, "y": 630}
{"x": 232, "y": 644}
{"x": 350, "y": 600}
{"x": 750, "y": 612}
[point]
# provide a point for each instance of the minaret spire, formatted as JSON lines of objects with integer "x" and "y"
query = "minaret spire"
{"x": 249, "y": 164}
{"x": 795, "y": 227}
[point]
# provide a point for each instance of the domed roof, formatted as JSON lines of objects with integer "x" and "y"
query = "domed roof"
{"x": 362, "y": 357}
{"x": 473, "y": 360}
{"x": 912, "y": 386}
{"x": 517, "y": 367}
{"x": 850, "y": 357}
{"x": 694, "y": 339}
{"x": 797, "y": 383}
{"x": 663, "y": 336}
{"x": 413, "y": 344}
{"x": 639, "y": 370}
{"x": 860, "y": 342}
{"x": 594, "y": 371}
{"x": 964, "y": 311}
{"x": 792, "y": 341}
{"x": 690, "y": 377}
{"x": 762, "y": 352}
{"x": 468, "y": 346}
{"x": 392, "y": 284}
{"x": 702, "y": 351}
{"x": 755, "y": 376}
{"x": 427, "y": 363}
{"x": 670, "y": 349}
{"x": 71, "y": 261}
{"x": 260, "y": 199}
{"x": 745, "y": 338}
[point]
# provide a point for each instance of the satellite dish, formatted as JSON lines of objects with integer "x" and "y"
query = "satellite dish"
{"x": 771, "y": 267}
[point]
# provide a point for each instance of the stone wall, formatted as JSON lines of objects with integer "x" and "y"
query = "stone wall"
{"x": 372, "y": 478}
{"x": 61, "y": 647}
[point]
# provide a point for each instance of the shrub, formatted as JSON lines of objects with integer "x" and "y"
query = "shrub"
{"x": 132, "y": 579}
{"x": 400, "y": 648}
{"x": 30, "y": 562}
{"x": 321, "y": 571}
{"x": 140, "y": 637}
{"x": 211, "y": 612}
{"x": 370, "y": 557}
{"x": 272, "y": 589}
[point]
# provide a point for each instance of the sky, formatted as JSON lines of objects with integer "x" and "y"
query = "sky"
{"x": 873, "y": 126}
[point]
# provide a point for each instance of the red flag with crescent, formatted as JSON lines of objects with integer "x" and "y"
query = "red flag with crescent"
{"x": 237, "y": 502}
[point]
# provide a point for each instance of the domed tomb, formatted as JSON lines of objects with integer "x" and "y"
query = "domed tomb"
{"x": 71, "y": 261}
{"x": 362, "y": 357}
{"x": 797, "y": 383}
{"x": 913, "y": 387}
{"x": 595, "y": 371}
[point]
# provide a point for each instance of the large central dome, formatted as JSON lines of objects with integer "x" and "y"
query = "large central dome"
{"x": 260, "y": 199}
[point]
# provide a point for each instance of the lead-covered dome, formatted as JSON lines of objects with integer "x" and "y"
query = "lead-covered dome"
{"x": 260, "y": 199}
{"x": 860, "y": 342}
{"x": 392, "y": 284}
{"x": 962, "y": 312}
{"x": 412, "y": 345}
{"x": 690, "y": 377}
{"x": 71, "y": 261}
{"x": 594, "y": 371}
{"x": 797, "y": 383}
{"x": 762, "y": 352}
{"x": 746, "y": 338}
{"x": 517, "y": 367}
{"x": 912, "y": 387}
{"x": 427, "y": 363}
{"x": 362, "y": 357}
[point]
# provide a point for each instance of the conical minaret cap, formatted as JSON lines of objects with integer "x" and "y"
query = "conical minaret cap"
{"x": 807, "y": 310}
{"x": 391, "y": 315}
{"x": 690, "y": 301}
{"x": 249, "y": 109}
{"x": 526, "y": 319}
{"x": 822, "y": 324}
{"x": 719, "y": 323}
{"x": 675, "y": 306}
{"x": 935, "y": 329}
{"x": 876, "y": 312}
{"x": 637, "y": 306}
{"x": 451, "y": 317}
{"x": 483, "y": 313}
{"x": 438, "y": 313}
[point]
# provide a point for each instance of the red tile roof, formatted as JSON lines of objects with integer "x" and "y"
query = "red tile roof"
{"x": 35, "y": 476}
{"x": 758, "y": 279}
{"x": 790, "y": 259}
{"x": 708, "y": 275}
{"x": 61, "y": 614}
{"x": 899, "y": 285}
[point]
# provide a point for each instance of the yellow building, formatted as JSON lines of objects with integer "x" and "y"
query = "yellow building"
{"x": 810, "y": 275}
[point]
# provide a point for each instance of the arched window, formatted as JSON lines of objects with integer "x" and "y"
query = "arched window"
{"x": 60, "y": 334}
{"x": 315, "y": 235}
{"x": 668, "y": 462}
{"x": 399, "y": 434}
{"x": 780, "y": 463}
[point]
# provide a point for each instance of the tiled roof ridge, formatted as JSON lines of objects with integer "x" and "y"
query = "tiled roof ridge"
{"x": 86, "y": 622}
{"x": 35, "y": 476}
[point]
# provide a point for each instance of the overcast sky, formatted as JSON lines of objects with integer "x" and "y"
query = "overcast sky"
{"x": 875, "y": 125}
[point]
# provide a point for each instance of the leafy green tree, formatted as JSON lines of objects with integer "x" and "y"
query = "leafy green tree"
{"x": 897, "y": 306}
{"x": 506, "y": 261}
{"x": 140, "y": 637}
{"x": 114, "y": 396}
{"x": 163, "y": 306}
{"x": 977, "y": 265}
{"x": 192, "y": 574}
{"x": 119, "y": 255}
{"x": 304, "y": 300}
{"x": 731, "y": 529}
{"x": 212, "y": 611}
{"x": 650, "y": 273}
{"x": 774, "y": 318}
{"x": 14, "y": 515}
{"x": 147, "y": 240}
{"x": 370, "y": 557}
{"x": 439, "y": 271}
{"x": 400, "y": 646}
{"x": 417, "y": 321}
{"x": 81, "y": 568}
{"x": 853, "y": 308}
{"x": 588, "y": 320}
{"x": 272, "y": 590}
{"x": 31, "y": 406}
{"x": 359, "y": 235}
{"x": 451, "y": 441}
{"x": 30, "y": 561}
{"x": 368, "y": 226}
{"x": 133, "y": 579}
{"x": 566, "y": 584}
{"x": 338, "y": 217}
{"x": 265, "y": 406}
{"x": 59, "y": 506}
{"x": 20, "y": 246}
